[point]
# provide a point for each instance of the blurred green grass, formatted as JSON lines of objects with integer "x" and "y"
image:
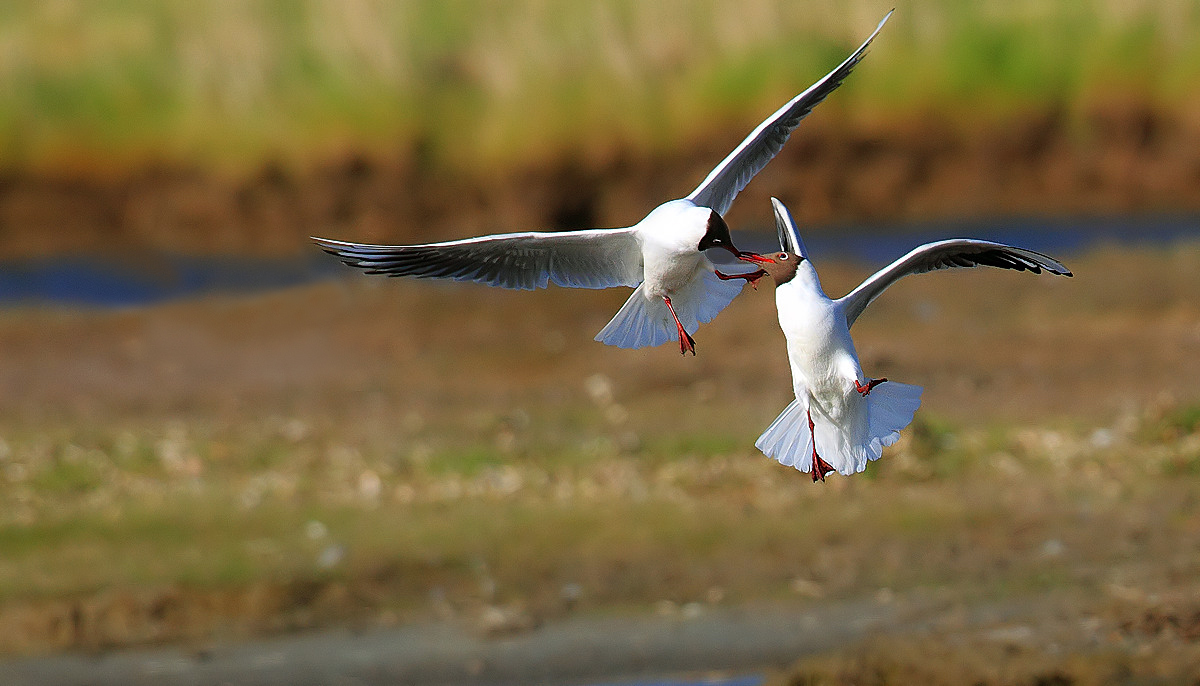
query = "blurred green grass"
{"x": 480, "y": 84}
{"x": 87, "y": 508}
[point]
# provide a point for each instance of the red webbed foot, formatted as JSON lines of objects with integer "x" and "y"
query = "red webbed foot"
{"x": 865, "y": 389}
{"x": 751, "y": 278}
{"x": 819, "y": 466}
{"x": 687, "y": 344}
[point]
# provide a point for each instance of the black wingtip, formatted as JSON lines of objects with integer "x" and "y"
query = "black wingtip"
{"x": 345, "y": 258}
{"x": 325, "y": 244}
{"x": 1058, "y": 269}
{"x": 331, "y": 247}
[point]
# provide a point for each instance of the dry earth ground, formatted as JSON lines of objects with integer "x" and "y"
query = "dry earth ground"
{"x": 377, "y": 452}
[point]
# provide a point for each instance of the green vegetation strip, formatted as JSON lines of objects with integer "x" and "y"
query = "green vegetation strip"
{"x": 85, "y": 511}
{"x": 478, "y": 83}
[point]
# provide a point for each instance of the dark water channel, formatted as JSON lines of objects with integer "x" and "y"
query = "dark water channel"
{"x": 147, "y": 278}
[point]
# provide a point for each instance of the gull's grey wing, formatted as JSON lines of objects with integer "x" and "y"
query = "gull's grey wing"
{"x": 956, "y": 252}
{"x": 722, "y": 184}
{"x": 595, "y": 258}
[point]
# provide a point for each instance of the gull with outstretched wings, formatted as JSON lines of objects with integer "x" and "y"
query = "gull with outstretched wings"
{"x": 662, "y": 257}
{"x": 841, "y": 419}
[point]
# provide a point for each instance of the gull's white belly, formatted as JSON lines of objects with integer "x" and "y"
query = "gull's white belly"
{"x": 667, "y": 275}
{"x": 823, "y": 360}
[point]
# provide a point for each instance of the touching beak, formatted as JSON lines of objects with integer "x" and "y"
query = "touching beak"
{"x": 754, "y": 257}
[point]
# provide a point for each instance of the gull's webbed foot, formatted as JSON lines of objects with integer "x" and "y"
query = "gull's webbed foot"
{"x": 751, "y": 278}
{"x": 687, "y": 344}
{"x": 819, "y": 466}
{"x": 865, "y": 389}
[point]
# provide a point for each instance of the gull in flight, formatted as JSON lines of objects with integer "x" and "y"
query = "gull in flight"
{"x": 662, "y": 256}
{"x": 841, "y": 418}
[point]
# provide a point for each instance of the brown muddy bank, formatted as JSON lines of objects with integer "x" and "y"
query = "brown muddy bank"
{"x": 1121, "y": 158}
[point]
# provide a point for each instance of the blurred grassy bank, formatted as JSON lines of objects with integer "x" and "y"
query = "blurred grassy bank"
{"x": 90, "y": 86}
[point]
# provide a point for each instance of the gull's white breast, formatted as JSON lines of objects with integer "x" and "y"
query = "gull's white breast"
{"x": 669, "y": 236}
{"x": 820, "y": 350}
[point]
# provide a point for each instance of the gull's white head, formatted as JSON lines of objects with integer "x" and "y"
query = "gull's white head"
{"x": 687, "y": 226}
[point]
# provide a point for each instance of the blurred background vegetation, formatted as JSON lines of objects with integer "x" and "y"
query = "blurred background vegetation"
{"x": 378, "y": 452}
{"x": 474, "y": 84}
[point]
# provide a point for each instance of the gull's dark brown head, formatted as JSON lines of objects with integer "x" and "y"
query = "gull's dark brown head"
{"x": 781, "y": 266}
{"x": 717, "y": 235}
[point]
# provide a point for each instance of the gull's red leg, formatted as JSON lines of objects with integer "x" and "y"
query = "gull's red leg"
{"x": 751, "y": 278}
{"x": 864, "y": 389}
{"x": 819, "y": 467}
{"x": 687, "y": 344}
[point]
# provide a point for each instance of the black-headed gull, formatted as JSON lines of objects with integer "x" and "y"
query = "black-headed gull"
{"x": 677, "y": 287}
{"x": 841, "y": 419}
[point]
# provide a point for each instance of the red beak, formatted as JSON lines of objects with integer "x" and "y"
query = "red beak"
{"x": 754, "y": 257}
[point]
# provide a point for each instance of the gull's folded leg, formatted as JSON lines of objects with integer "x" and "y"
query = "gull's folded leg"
{"x": 865, "y": 389}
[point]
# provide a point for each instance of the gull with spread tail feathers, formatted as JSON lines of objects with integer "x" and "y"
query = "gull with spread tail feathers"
{"x": 676, "y": 286}
{"x": 841, "y": 419}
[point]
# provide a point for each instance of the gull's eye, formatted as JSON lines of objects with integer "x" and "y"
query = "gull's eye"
{"x": 783, "y": 256}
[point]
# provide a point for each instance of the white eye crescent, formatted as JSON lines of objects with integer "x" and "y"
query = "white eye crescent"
{"x": 783, "y": 256}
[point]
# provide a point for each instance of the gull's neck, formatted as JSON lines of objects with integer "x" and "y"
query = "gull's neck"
{"x": 806, "y": 281}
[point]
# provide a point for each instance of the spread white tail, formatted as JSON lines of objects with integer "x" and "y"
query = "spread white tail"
{"x": 848, "y": 445}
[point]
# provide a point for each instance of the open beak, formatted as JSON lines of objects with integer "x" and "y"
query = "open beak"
{"x": 735, "y": 251}
{"x": 754, "y": 257}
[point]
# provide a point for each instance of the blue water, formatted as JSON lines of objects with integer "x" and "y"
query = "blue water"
{"x": 98, "y": 281}
{"x": 881, "y": 243}
{"x": 151, "y": 277}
